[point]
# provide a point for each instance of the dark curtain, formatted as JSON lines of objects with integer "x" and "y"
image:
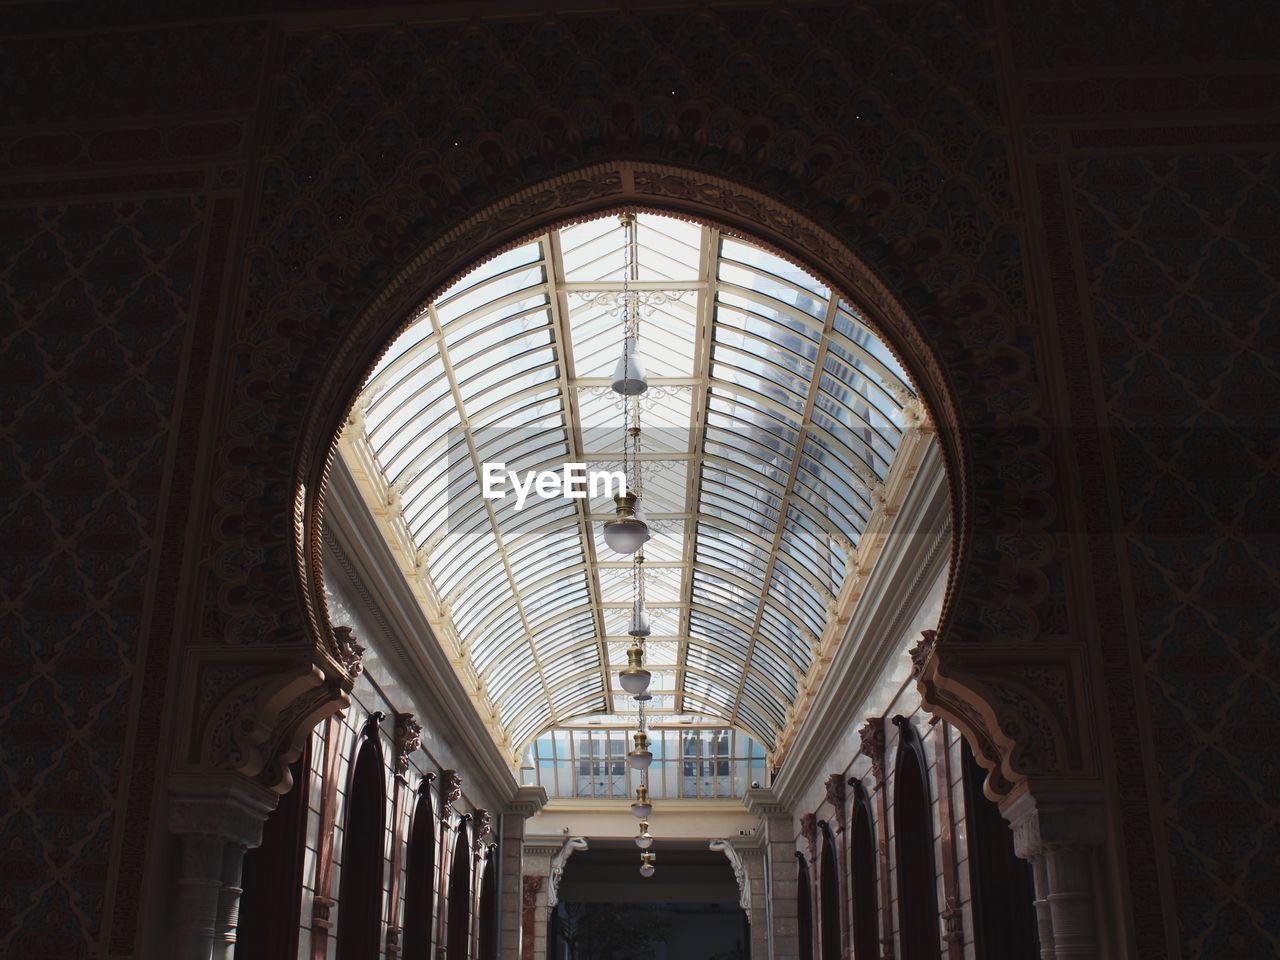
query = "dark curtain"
{"x": 360, "y": 887}
{"x": 1004, "y": 913}
{"x": 866, "y": 912}
{"x": 420, "y": 875}
{"x": 913, "y": 837}
{"x": 271, "y": 905}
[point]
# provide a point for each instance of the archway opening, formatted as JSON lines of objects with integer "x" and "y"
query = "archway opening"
{"x": 862, "y": 850}
{"x": 273, "y": 874}
{"x": 458, "y": 922}
{"x": 804, "y": 907}
{"x": 771, "y": 444}
{"x": 829, "y": 893}
{"x": 363, "y": 841}
{"x": 918, "y": 918}
{"x": 1004, "y": 913}
{"x": 420, "y": 875}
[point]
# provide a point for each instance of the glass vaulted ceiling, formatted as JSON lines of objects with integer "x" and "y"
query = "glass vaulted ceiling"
{"x": 773, "y": 413}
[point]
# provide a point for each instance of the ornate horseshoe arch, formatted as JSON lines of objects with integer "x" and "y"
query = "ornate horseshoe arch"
{"x": 986, "y": 670}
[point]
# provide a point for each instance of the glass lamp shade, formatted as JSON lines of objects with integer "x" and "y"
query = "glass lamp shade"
{"x": 634, "y": 677}
{"x": 627, "y": 532}
{"x": 645, "y": 840}
{"x": 639, "y": 620}
{"x": 646, "y": 870}
{"x": 640, "y": 756}
{"x": 642, "y": 807}
{"x": 628, "y": 376}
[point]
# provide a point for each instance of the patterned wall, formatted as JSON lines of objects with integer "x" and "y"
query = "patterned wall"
{"x": 1157, "y": 197}
{"x": 1180, "y": 315}
{"x": 1147, "y": 238}
{"x": 111, "y": 285}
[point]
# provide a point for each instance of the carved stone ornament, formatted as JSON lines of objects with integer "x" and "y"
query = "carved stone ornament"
{"x": 872, "y": 734}
{"x": 809, "y": 830}
{"x": 483, "y": 825}
{"x": 408, "y": 739}
{"x": 836, "y": 797}
{"x": 557, "y": 868}
{"x": 740, "y": 873}
{"x": 350, "y": 652}
{"x": 450, "y": 792}
{"x": 921, "y": 651}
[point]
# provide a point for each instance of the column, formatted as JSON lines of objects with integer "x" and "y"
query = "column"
{"x": 512, "y": 892}
{"x": 217, "y": 819}
{"x": 1059, "y": 834}
{"x": 777, "y": 828}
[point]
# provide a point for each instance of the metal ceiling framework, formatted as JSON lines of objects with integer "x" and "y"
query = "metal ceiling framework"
{"x": 769, "y": 429}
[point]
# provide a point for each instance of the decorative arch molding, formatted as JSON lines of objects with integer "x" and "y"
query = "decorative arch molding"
{"x": 989, "y": 651}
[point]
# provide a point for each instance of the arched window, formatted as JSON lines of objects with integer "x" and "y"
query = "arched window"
{"x": 458, "y": 915}
{"x": 272, "y": 877}
{"x": 804, "y": 908}
{"x": 420, "y": 877}
{"x": 363, "y": 837}
{"x": 829, "y": 892}
{"x": 862, "y": 850}
{"x": 487, "y": 932}
{"x": 913, "y": 840}
{"x": 1004, "y": 913}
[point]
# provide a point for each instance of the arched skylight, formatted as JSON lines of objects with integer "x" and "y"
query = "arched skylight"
{"x": 772, "y": 417}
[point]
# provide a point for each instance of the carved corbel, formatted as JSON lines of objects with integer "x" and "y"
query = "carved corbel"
{"x": 349, "y": 651}
{"x": 483, "y": 826}
{"x": 450, "y": 792}
{"x": 872, "y": 736}
{"x": 408, "y": 736}
{"x": 809, "y": 831}
{"x": 557, "y": 868}
{"x": 836, "y": 797}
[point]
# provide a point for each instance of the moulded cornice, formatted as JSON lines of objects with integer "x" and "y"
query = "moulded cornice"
{"x": 423, "y": 665}
{"x": 914, "y": 555}
{"x": 765, "y": 802}
{"x": 528, "y": 801}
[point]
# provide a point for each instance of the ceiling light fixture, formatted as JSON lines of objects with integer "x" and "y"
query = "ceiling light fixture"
{"x": 640, "y": 756}
{"x": 634, "y": 677}
{"x": 642, "y": 808}
{"x": 646, "y": 864}
{"x": 627, "y": 531}
{"x": 629, "y": 378}
{"x": 645, "y": 840}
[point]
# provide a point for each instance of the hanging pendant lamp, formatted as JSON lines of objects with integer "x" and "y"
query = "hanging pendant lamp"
{"x": 639, "y": 757}
{"x": 626, "y": 532}
{"x": 634, "y": 677}
{"x": 641, "y": 808}
{"x": 645, "y": 840}
{"x": 628, "y": 376}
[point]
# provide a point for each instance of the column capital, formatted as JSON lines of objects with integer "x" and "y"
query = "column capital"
{"x": 765, "y": 803}
{"x": 226, "y": 807}
{"x": 528, "y": 801}
{"x": 1044, "y": 818}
